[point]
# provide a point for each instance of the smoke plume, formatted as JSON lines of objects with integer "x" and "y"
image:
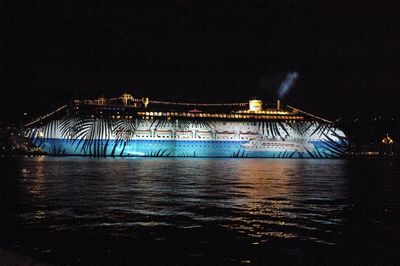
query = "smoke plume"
{"x": 287, "y": 84}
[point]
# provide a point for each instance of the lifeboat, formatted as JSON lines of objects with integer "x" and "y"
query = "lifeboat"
{"x": 184, "y": 134}
{"x": 248, "y": 135}
{"x": 143, "y": 133}
{"x": 163, "y": 133}
{"x": 204, "y": 134}
{"x": 225, "y": 135}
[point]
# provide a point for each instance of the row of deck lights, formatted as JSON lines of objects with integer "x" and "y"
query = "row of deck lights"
{"x": 207, "y": 115}
{"x": 149, "y": 115}
{"x": 264, "y": 112}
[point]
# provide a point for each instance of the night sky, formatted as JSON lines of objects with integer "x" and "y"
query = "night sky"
{"x": 347, "y": 55}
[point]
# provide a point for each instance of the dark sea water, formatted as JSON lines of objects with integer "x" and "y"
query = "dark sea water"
{"x": 74, "y": 210}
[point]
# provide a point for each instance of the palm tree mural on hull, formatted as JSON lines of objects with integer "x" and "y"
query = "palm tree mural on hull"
{"x": 100, "y": 137}
{"x": 88, "y": 136}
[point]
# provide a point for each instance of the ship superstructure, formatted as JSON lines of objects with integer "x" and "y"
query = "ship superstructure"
{"x": 127, "y": 126}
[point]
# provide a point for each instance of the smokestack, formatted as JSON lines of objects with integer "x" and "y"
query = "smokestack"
{"x": 255, "y": 105}
{"x": 278, "y": 104}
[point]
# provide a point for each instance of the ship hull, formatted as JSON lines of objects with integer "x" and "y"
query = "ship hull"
{"x": 101, "y": 138}
{"x": 181, "y": 148}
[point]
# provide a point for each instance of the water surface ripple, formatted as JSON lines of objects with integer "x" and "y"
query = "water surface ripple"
{"x": 75, "y": 210}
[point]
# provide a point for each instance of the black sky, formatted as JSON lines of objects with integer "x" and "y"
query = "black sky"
{"x": 347, "y": 55}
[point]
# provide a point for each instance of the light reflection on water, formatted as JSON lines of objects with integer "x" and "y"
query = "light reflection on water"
{"x": 258, "y": 200}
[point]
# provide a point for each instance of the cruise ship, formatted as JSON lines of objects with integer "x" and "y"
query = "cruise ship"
{"x": 128, "y": 126}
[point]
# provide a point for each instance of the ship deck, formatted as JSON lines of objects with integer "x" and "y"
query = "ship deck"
{"x": 145, "y": 109}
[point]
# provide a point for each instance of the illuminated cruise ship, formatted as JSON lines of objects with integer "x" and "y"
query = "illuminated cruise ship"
{"x": 127, "y": 126}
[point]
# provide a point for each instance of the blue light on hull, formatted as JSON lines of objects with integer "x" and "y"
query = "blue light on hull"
{"x": 180, "y": 148}
{"x": 189, "y": 138}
